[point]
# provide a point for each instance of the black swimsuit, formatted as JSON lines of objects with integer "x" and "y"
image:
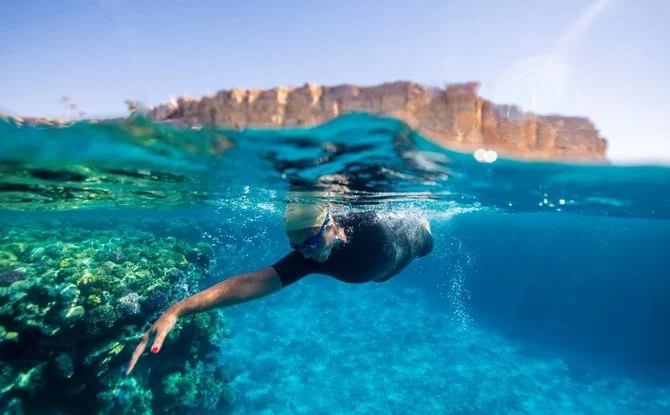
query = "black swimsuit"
{"x": 377, "y": 248}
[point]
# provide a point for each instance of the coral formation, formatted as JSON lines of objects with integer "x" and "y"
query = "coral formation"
{"x": 11, "y": 276}
{"x": 196, "y": 386}
{"x": 129, "y": 304}
{"x": 74, "y": 303}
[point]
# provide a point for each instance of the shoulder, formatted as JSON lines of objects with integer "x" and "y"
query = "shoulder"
{"x": 365, "y": 227}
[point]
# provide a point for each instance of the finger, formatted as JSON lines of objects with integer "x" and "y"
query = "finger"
{"x": 160, "y": 337}
{"x": 138, "y": 352}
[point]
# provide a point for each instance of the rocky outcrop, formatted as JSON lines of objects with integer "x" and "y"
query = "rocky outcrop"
{"x": 455, "y": 117}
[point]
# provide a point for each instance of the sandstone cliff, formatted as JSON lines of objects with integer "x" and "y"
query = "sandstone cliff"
{"x": 454, "y": 117}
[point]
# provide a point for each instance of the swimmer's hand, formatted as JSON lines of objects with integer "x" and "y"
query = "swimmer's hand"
{"x": 234, "y": 290}
{"x": 160, "y": 328}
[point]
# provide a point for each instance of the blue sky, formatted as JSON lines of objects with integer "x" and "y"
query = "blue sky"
{"x": 605, "y": 59}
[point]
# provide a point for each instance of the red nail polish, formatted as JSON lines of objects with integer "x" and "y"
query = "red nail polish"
{"x": 154, "y": 349}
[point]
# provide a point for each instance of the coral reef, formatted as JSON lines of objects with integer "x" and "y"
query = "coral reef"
{"x": 9, "y": 277}
{"x": 74, "y": 303}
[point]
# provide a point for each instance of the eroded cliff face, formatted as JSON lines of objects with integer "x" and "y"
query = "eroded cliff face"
{"x": 455, "y": 117}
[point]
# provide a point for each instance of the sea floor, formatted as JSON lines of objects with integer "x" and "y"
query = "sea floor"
{"x": 324, "y": 347}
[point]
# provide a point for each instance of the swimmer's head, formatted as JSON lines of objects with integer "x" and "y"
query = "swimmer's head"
{"x": 299, "y": 216}
{"x": 309, "y": 228}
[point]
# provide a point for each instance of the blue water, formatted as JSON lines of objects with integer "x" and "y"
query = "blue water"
{"x": 547, "y": 291}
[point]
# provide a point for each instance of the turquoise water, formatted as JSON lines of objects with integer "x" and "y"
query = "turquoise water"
{"x": 546, "y": 293}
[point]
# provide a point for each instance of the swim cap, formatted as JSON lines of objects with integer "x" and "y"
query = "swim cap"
{"x": 302, "y": 216}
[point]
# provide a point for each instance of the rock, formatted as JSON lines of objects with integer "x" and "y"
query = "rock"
{"x": 10, "y": 277}
{"x": 7, "y": 257}
{"x": 20, "y": 286}
{"x": 228, "y": 396}
{"x": 37, "y": 253}
{"x": 63, "y": 367}
{"x": 454, "y": 117}
{"x": 69, "y": 292}
{"x": 74, "y": 313}
{"x": 11, "y": 336}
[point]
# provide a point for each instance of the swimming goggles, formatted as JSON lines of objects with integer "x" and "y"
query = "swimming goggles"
{"x": 313, "y": 241}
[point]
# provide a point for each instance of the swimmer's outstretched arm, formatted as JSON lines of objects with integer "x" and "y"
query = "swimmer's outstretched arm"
{"x": 234, "y": 290}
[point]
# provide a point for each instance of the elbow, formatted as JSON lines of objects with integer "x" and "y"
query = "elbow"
{"x": 261, "y": 283}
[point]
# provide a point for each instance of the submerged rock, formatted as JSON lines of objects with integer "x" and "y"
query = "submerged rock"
{"x": 63, "y": 367}
{"x": 7, "y": 258}
{"x": 117, "y": 257}
{"x": 74, "y": 313}
{"x": 7, "y": 278}
{"x": 11, "y": 336}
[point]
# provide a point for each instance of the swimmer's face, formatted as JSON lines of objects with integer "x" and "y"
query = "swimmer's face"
{"x": 321, "y": 250}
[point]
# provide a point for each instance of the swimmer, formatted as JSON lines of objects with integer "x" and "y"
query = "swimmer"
{"x": 353, "y": 247}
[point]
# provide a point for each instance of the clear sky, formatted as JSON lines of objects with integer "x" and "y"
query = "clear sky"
{"x": 605, "y": 59}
